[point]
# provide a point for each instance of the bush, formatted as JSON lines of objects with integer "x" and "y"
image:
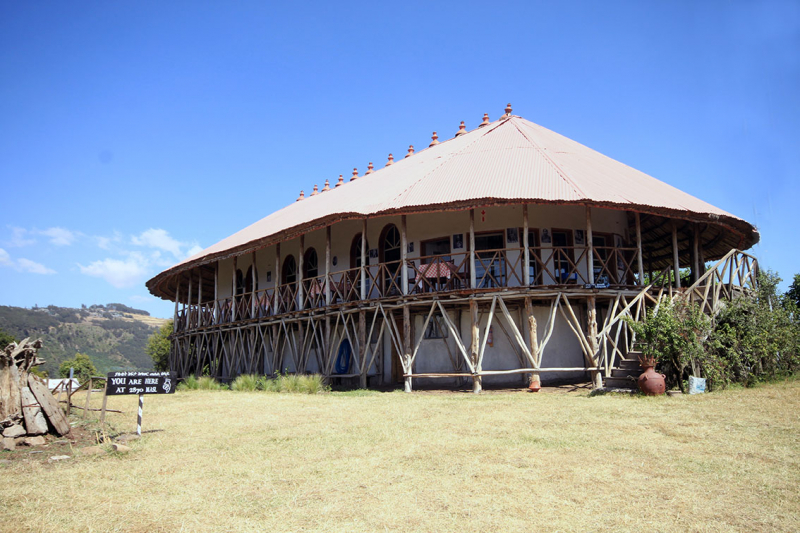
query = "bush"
{"x": 289, "y": 383}
{"x": 189, "y": 383}
{"x": 296, "y": 383}
{"x": 203, "y": 383}
{"x": 247, "y": 383}
{"x": 749, "y": 340}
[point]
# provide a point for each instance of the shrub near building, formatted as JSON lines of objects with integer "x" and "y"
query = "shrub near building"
{"x": 749, "y": 340}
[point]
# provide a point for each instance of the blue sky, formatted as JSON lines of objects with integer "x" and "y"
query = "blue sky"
{"x": 134, "y": 133}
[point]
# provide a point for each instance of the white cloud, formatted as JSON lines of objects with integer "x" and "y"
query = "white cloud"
{"x": 33, "y": 267}
{"x": 158, "y": 250}
{"x": 59, "y": 236}
{"x": 160, "y": 239}
{"x": 20, "y": 237}
{"x": 23, "y": 265}
{"x": 106, "y": 242}
{"x": 119, "y": 273}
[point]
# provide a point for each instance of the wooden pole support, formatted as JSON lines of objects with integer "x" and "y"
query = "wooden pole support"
{"x": 597, "y": 378}
{"x": 640, "y": 259}
{"x": 88, "y": 395}
{"x": 139, "y": 417}
{"x": 526, "y": 250}
{"x": 103, "y": 408}
{"x": 407, "y": 346}
{"x": 589, "y": 247}
{"x": 362, "y": 347}
{"x": 475, "y": 348}
{"x": 675, "y": 257}
{"x": 472, "y": 279}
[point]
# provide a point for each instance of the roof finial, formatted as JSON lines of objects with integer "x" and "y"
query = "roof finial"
{"x": 435, "y": 140}
{"x": 461, "y": 129}
{"x": 485, "y": 120}
{"x": 355, "y": 174}
{"x": 369, "y": 169}
{"x": 410, "y": 150}
{"x": 327, "y": 186}
{"x": 508, "y": 110}
{"x": 315, "y": 191}
{"x": 301, "y": 197}
{"x": 340, "y": 182}
{"x": 391, "y": 160}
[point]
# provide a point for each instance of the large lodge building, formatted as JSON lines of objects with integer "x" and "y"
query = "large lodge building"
{"x": 504, "y": 254}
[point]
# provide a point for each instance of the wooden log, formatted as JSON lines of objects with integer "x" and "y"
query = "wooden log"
{"x": 300, "y": 267}
{"x": 473, "y": 312}
{"x": 472, "y": 278}
{"x": 88, "y": 397}
{"x": 105, "y": 403}
{"x": 640, "y": 259}
{"x": 597, "y": 378}
{"x": 362, "y": 347}
{"x": 49, "y": 406}
{"x": 404, "y": 255}
{"x": 407, "y": 347}
{"x": 277, "y": 282}
{"x": 35, "y": 423}
{"x": 328, "y": 269}
{"x": 534, "y": 346}
{"x": 526, "y": 250}
{"x": 589, "y": 247}
{"x": 675, "y": 257}
{"x": 364, "y": 259}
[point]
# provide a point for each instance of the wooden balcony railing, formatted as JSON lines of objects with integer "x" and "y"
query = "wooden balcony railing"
{"x": 492, "y": 269}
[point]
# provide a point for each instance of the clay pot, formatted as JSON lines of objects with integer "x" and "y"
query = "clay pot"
{"x": 651, "y": 383}
{"x": 535, "y": 386}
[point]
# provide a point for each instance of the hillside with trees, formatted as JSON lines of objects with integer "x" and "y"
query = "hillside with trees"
{"x": 114, "y": 336}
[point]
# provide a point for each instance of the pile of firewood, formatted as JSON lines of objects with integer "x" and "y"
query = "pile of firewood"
{"x": 27, "y": 408}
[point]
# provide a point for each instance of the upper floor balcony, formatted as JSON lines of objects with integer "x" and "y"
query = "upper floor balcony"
{"x": 484, "y": 270}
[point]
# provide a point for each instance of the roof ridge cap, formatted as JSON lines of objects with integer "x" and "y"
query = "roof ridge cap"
{"x": 561, "y": 172}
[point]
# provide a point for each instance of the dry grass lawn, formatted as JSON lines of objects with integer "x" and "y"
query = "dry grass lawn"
{"x": 371, "y": 461}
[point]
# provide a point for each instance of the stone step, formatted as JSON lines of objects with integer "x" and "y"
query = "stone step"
{"x": 624, "y": 372}
{"x": 620, "y": 383}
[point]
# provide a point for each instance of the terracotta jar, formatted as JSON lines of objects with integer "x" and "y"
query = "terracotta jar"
{"x": 651, "y": 383}
{"x": 535, "y": 386}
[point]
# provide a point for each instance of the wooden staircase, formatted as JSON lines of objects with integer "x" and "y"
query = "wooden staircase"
{"x": 624, "y": 376}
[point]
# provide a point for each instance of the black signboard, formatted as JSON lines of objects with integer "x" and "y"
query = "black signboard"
{"x": 141, "y": 383}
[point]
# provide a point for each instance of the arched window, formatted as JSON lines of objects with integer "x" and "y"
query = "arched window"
{"x": 355, "y": 252}
{"x": 289, "y": 270}
{"x": 310, "y": 264}
{"x": 390, "y": 255}
{"x": 239, "y": 282}
{"x": 248, "y": 281}
{"x": 390, "y": 244}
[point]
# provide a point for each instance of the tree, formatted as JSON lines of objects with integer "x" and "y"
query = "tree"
{"x": 158, "y": 347}
{"x": 82, "y": 363}
{"x": 793, "y": 294}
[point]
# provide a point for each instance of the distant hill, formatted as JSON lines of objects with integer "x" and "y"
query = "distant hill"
{"x": 114, "y": 335}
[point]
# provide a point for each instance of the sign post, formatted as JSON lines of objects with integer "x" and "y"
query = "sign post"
{"x": 141, "y": 383}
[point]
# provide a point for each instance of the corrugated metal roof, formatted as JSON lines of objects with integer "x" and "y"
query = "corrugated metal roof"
{"x": 510, "y": 160}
